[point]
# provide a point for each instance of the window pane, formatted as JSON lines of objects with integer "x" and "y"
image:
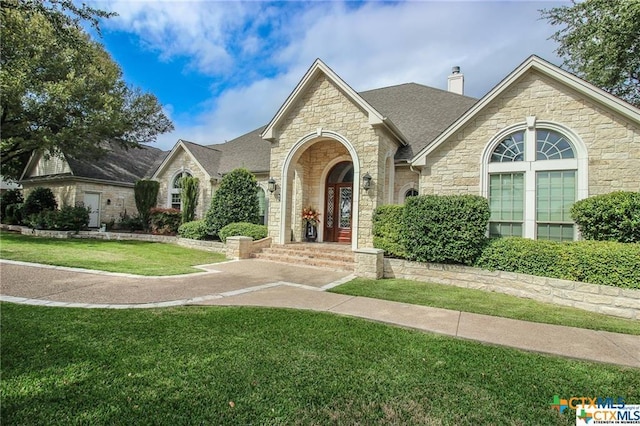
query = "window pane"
{"x": 510, "y": 149}
{"x": 555, "y": 232}
{"x": 555, "y": 193}
{"x": 506, "y": 201}
{"x": 552, "y": 145}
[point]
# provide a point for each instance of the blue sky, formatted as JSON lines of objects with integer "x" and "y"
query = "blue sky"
{"x": 223, "y": 68}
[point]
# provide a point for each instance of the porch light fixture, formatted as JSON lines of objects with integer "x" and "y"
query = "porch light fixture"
{"x": 366, "y": 181}
{"x": 271, "y": 185}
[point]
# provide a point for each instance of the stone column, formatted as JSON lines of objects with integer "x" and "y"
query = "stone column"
{"x": 369, "y": 263}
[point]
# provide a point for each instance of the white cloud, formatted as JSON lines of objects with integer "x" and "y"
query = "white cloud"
{"x": 256, "y": 52}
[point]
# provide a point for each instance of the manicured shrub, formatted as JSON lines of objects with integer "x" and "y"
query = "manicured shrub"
{"x": 195, "y": 230}
{"x": 236, "y": 200}
{"x": 597, "y": 262}
{"x": 129, "y": 223}
{"x": 146, "y": 195}
{"x": 190, "y": 189}
{"x": 243, "y": 229}
{"x": 609, "y": 217}
{"x": 445, "y": 229}
{"x": 165, "y": 221}
{"x": 40, "y": 199}
{"x": 70, "y": 218}
{"x": 9, "y": 212}
{"x": 387, "y": 230}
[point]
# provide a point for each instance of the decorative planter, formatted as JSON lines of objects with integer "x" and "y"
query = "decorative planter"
{"x": 311, "y": 232}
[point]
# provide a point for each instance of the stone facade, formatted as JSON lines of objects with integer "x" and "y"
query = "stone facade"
{"x": 341, "y": 128}
{"x": 115, "y": 199}
{"x": 183, "y": 162}
{"x": 612, "y": 143}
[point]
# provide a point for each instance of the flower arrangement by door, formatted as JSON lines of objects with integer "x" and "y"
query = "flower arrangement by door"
{"x": 310, "y": 218}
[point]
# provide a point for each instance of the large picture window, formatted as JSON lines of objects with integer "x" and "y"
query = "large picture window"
{"x": 531, "y": 183}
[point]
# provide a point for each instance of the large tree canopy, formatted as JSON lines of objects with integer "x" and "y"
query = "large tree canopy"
{"x": 60, "y": 91}
{"x": 600, "y": 41}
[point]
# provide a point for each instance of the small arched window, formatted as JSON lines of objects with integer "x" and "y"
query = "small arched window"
{"x": 411, "y": 193}
{"x": 175, "y": 192}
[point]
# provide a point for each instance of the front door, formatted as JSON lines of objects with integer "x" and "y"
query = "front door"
{"x": 339, "y": 204}
{"x": 92, "y": 202}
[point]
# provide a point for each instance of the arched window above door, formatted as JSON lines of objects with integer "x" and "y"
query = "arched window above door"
{"x": 175, "y": 190}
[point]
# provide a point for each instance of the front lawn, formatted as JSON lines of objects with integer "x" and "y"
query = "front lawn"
{"x": 134, "y": 257}
{"x": 484, "y": 302}
{"x": 273, "y": 366}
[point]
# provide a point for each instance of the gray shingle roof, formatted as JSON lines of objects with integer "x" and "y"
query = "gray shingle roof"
{"x": 249, "y": 151}
{"x": 207, "y": 156}
{"x": 420, "y": 112}
{"x": 117, "y": 165}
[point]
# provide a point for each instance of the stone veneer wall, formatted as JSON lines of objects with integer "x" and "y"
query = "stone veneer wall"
{"x": 613, "y": 143}
{"x": 184, "y": 161}
{"x": 325, "y": 107}
{"x": 404, "y": 176}
{"x": 619, "y": 302}
{"x": 70, "y": 193}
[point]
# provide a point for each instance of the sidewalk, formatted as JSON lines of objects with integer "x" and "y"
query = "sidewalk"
{"x": 269, "y": 284}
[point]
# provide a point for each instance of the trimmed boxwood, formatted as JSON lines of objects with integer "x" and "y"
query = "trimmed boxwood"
{"x": 609, "y": 217}
{"x": 243, "y": 229}
{"x": 445, "y": 228}
{"x": 195, "y": 230}
{"x": 597, "y": 262}
{"x": 387, "y": 230}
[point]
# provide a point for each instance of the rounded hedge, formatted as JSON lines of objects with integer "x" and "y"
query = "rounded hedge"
{"x": 243, "y": 229}
{"x": 609, "y": 217}
{"x": 195, "y": 230}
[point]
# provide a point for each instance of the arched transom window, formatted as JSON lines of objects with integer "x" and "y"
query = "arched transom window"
{"x": 532, "y": 183}
{"x": 175, "y": 190}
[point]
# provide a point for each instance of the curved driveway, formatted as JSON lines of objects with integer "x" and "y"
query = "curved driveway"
{"x": 260, "y": 283}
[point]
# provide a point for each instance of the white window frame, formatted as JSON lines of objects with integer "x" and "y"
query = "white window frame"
{"x": 180, "y": 173}
{"x": 530, "y": 166}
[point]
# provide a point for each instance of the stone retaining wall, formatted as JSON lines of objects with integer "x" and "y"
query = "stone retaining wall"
{"x": 619, "y": 302}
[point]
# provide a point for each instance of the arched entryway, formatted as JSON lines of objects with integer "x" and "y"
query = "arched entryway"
{"x": 339, "y": 203}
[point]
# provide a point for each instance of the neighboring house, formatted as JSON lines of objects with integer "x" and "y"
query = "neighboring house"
{"x": 7, "y": 185}
{"x": 536, "y": 143}
{"x": 105, "y": 185}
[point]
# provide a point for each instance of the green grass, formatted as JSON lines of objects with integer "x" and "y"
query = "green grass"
{"x": 483, "y": 302}
{"x": 134, "y": 257}
{"x": 273, "y": 366}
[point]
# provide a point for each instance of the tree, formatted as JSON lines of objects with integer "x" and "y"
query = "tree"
{"x": 236, "y": 200}
{"x": 189, "y": 191}
{"x": 600, "y": 42}
{"x": 61, "y": 92}
{"x": 145, "y": 193}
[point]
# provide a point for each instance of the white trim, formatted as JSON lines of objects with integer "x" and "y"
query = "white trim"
{"x": 532, "y": 63}
{"x": 288, "y": 167}
{"x": 169, "y": 159}
{"x": 171, "y": 189}
{"x": 317, "y": 68}
{"x": 530, "y": 166}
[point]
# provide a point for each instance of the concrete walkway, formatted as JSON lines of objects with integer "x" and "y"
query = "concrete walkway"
{"x": 261, "y": 283}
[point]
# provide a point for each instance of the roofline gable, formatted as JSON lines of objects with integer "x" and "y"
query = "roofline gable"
{"x": 169, "y": 158}
{"x": 318, "y": 68}
{"x": 548, "y": 69}
{"x": 35, "y": 157}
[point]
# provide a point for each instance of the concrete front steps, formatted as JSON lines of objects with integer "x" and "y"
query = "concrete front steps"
{"x": 338, "y": 257}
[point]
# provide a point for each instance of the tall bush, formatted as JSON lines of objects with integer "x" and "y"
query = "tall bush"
{"x": 190, "y": 190}
{"x": 10, "y": 206}
{"x": 146, "y": 196}
{"x": 614, "y": 217}
{"x": 387, "y": 230}
{"x": 236, "y": 200}
{"x": 39, "y": 199}
{"x": 445, "y": 228}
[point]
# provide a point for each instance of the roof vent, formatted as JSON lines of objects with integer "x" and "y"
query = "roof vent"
{"x": 456, "y": 81}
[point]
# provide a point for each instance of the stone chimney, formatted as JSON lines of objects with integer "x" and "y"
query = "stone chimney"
{"x": 456, "y": 81}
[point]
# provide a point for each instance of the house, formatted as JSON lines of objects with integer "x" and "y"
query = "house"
{"x": 105, "y": 185}
{"x": 536, "y": 143}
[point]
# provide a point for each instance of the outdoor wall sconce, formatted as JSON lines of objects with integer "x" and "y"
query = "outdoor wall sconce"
{"x": 366, "y": 181}
{"x": 271, "y": 185}
{"x": 108, "y": 202}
